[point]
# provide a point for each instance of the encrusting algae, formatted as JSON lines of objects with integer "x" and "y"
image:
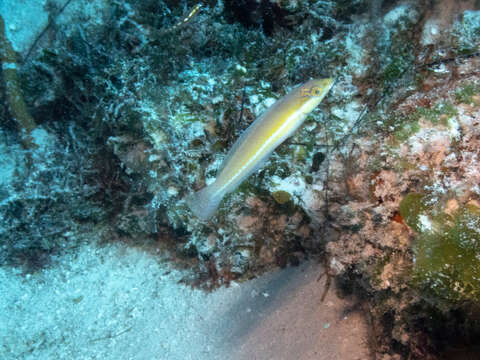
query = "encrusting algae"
{"x": 257, "y": 143}
{"x": 446, "y": 251}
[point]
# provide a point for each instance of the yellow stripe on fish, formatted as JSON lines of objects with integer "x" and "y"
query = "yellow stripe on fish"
{"x": 258, "y": 142}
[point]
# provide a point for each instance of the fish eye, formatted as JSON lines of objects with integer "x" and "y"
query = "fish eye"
{"x": 317, "y": 91}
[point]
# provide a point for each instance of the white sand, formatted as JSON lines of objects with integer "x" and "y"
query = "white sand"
{"x": 118, "y": 302}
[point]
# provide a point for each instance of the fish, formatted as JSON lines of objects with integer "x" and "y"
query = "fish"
{"x": 252, "y": 149}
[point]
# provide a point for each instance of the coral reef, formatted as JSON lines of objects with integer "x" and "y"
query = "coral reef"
{"x": 409, "y": 225}
{"x": 134, "y": 113}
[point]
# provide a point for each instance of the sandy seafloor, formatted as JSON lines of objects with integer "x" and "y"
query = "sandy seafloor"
{"x": 117, "y": 302}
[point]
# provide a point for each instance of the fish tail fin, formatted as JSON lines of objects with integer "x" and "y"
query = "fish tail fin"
{"x": 204, "y": 202}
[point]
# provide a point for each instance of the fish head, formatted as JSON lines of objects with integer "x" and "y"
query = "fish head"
{"x": 310, "y": 94}
{"x": 316, "y": 88}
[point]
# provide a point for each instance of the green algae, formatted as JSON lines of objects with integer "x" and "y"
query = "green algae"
{"x": 301, "y": 154}
{"x": 411, "y": 207}
{"x": 438, "y": 114}
{"x": 405, "y": 165}
{"x": 395, "y": 69}
{"x": 406, "y": 130}
{"x": 449, "y": 264}
{"x": 447, "y": 249}
{"x": 281, "y": 197}
{"x": 466, "y": 93}
{"x": 406, "y": 126}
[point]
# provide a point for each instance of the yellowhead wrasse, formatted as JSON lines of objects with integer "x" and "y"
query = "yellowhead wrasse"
{"x": 255, "y": 145}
